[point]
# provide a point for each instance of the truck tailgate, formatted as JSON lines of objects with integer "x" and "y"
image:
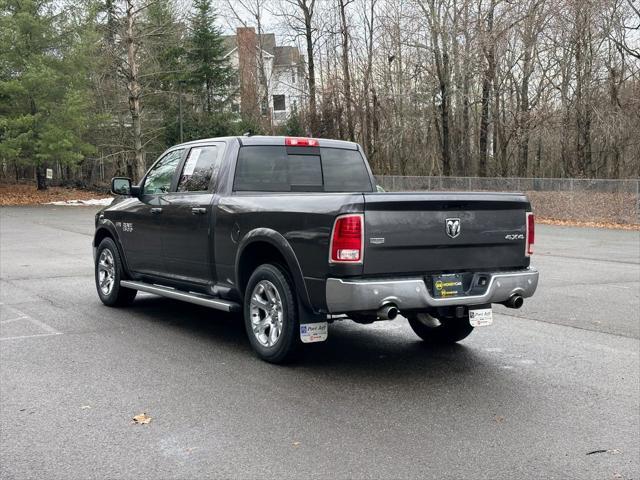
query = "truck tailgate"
{"x": 407, "y": 232}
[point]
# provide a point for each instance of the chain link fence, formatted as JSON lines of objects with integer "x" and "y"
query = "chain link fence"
{"x": 558, "y": 198}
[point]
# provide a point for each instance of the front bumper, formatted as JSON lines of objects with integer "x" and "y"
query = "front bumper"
{"x": 412, "y": 293}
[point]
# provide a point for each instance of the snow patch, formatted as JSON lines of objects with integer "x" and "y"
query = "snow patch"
{"x": 81, "y": 203}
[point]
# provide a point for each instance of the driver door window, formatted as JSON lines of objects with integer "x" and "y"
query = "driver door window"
{"x": 201, "y": 166}
{"x": 159, "y": 178}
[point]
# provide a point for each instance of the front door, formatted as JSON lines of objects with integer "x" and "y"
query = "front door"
{"x": 187, "y": 239}
{"x": 140, "y": 222}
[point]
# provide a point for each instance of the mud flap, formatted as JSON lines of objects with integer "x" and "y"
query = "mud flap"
{"x": 313, "y": 326}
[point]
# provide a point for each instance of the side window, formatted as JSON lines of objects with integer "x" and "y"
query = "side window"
{"x": 159, "y": 177}
{"x": 201, "y": 166}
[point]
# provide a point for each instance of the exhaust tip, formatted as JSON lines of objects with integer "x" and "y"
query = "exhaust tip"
{"x": 388, "y": 312}
{"x": 515, "y": 301}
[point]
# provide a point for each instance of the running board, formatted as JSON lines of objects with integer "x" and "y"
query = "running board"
{"x": 197, "y": 298}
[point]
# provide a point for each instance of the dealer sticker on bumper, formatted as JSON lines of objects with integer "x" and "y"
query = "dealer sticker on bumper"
{"x": 481, "y": 317}
{"x": 314, "y": 332}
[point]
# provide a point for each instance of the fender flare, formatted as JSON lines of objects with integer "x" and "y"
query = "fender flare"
{"x": 107, "y": 225}
{"x": 281, "y": 244}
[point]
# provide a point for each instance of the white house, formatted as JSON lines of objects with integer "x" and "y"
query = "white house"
{"x": 284, "y": 74}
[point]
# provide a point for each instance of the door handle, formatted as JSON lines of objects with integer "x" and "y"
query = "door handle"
{"x": 198, "y": 210}
{"x": 156, "y": 210}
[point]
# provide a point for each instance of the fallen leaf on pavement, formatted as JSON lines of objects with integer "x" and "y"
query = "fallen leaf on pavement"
{"x": 142, "y": 419}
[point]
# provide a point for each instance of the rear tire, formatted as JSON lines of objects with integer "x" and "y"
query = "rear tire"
{"x": 108, "y": 273}
{"x": 270, "y": 314}
{"x": 448, "y": 332}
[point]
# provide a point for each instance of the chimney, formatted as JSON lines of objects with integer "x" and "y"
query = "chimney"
{"x": 248, "y": 70}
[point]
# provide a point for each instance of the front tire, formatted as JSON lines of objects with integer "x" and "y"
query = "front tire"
{"x": 449, "y": 330}
{"x": 270, "y": 315}
{"x": 108, "y": 273}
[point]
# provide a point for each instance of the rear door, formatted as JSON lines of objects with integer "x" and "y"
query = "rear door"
{"x": 442, "y": 232}
{"x": 187, "y": 240}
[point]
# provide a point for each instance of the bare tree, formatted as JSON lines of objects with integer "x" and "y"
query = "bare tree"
{"x": 299, "y": 17}
{"x": 346, "y": 80}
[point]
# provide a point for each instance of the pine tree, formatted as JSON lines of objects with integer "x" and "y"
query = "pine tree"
{"x": 163, "y": 50}
{"x": 210, "y": 73}
{"x": 43, "y": 95}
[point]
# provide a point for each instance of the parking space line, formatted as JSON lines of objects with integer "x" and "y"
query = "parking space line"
{"x": 2, "y": 322}
{"x": 30, "y": 336}
{"x": 23, "y": 316}
{"x": 44, "y": 326}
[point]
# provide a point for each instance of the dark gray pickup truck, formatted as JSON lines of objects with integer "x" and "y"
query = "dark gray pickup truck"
{"x": 294, "y": 233}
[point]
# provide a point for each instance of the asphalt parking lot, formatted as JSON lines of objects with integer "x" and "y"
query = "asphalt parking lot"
{"x": 548, "y": 391}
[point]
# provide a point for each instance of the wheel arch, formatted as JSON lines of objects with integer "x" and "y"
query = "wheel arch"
{"x": 265, "y": 245}
{"x": 108, "y": 230}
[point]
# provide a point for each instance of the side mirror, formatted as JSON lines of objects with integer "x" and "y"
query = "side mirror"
{"x": 121, "y": 186}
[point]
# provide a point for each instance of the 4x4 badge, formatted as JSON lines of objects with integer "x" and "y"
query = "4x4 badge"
{"x": 452, "y": 226}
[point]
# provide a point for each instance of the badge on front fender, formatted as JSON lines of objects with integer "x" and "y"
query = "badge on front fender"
{"x": 314, "y": 332}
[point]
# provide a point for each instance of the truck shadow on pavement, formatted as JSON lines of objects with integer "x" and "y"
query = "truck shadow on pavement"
{"x": 384, "y": 349}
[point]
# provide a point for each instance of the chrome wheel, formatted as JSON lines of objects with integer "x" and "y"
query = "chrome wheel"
{"x": 106, "y": 272}
{"x": 266, "y": 313}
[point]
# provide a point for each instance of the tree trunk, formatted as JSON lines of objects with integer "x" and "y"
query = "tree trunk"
{"x": 133, "y": 88}
{"x": 465, "y": 160}
{"x": 375, "y": 122}
{"x": 441, "y": 58}
{"x": 307, "y": 10}
{"x": 524, "y": 128}
{"x": 497, "y": 125}
{"x": 345, "y": 69}
{"x": 444, "y": 114}
{"x": 367, "y": 85}
{"x": 41, "y": 177}
{"x": 484, "y": 126}
{"x": 487, "y": 82}
{"x": 264, "y": 81}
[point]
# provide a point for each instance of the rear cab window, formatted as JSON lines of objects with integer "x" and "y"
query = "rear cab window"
{"x": 271, "y": 168}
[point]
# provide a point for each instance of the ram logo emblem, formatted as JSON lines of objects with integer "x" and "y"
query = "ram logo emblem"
{"x": 452, "y": 226}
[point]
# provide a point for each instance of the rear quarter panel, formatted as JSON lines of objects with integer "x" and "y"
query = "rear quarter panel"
{"x": 305, "y": 220}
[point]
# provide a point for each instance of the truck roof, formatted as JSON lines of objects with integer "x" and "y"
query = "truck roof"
{"x": 255, "y": 140}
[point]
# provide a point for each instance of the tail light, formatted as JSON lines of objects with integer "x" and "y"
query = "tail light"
{"x": 301, "y": 142}
{"x": 347, "y": 239}
{"x": 531, "y": 234}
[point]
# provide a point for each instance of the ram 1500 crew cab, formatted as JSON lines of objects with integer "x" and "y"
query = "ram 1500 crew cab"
{"x": 293, "y": 233}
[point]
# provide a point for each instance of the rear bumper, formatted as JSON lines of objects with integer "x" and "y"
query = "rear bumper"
{"x": 412, "y": 293}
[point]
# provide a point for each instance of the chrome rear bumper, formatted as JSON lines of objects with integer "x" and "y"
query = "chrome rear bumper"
{"x": 412, "y": 293}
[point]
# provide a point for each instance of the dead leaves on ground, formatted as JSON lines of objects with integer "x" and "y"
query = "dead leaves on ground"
{"x": 577, "y": 223}
{"x": 141, "y": 419}
{"x": 28, "y": 195}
